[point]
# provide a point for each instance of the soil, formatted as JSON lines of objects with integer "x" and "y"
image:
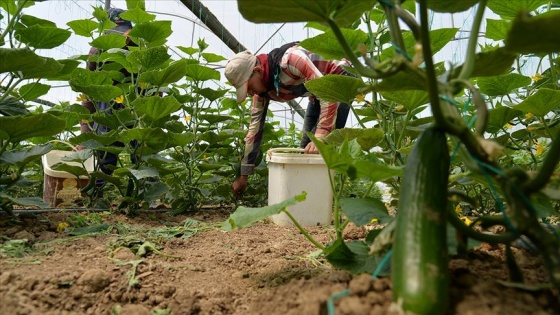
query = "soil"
{"x": 262, "y": 269}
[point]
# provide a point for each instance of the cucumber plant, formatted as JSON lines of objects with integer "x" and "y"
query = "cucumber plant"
{"x": 400, "y": 65}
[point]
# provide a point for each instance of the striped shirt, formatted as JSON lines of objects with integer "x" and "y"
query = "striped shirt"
{"x": 296, "y": 67}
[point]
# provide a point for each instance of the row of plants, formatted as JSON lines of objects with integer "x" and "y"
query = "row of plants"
{"x": 187, "y": 132}
{"x": 489, "y": 149}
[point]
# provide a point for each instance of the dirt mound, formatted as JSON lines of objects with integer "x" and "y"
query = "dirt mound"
{"x": 161, "y": 264}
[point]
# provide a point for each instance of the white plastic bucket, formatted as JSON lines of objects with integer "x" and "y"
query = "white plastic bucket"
{"x": 61, "y": 188}
{"x": 289, "y": 174}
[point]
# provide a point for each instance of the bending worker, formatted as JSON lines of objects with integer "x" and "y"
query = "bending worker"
{"x": 280, "y": 76}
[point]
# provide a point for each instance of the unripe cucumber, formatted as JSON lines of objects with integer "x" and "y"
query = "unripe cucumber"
{"x": 419, "y": 269}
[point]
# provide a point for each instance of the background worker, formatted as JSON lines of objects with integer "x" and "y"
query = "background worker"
{"x": 280, "y": 76}
{"x": 106, "y": 160}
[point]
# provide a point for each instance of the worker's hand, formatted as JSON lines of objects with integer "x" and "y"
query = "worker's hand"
{"x": 78, "y": 148}
{"x": 310, "y": 148}
{"x": 239, "y": 186}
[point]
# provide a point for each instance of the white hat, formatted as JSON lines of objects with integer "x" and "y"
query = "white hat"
{"x": 238, "y": 71}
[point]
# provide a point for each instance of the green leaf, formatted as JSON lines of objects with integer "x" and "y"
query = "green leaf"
{"x": 335, "y": 88}
{"x": 152, "y": 139}
{"x": 68, "y": 66}
{"x": 450, "y": 6}
{"x": 156, "y": 107}
{"x": 344, "y": 13}
{"x": 171, "y": 74}
{"x": 439, "y": 38}
{"x": 30, "y": 201}
{"x": 84, "y": 27}
{"x": 180, "y": 139}
{"x": 376, "y": 172}
{"x": 210, "y": 57}
{"x": 352, "y": 256}
{"x": 537, "y": 34}
{"x": 188, "y": 50}
{"x": 12, "y": 60}
{"x": 214, "y": 119}
{"x": 39, "y": 125}
{"x": 23, "y": 157}
{"x": 211, "y": 94}
{"x": 33, "y": 91}
{"x": 97, "y": 85}
{"x": 362, "y": 211}
{"x": 75, "y": 170}
{"x": 50, "y": 67}
{"x": 328, "y": 47}
{"x": 410, "y": 99}
{"x": 138, "y": 15}
{"x": 11, "y": 106}
{"x": 398, "y": 82}
{"x": 155, "y": 191}
{"x": 202, "y": 73}
{"x": 540, "y": 103}
{"x": 497, "y": 29}
{"x": 108, "y": 41}
{"x": 29, "y": 20}
{"x": 144, "y": 172}
{"x": 503, "y": 84}
{"x": 92, "y": 229}
{"x": 495, "y": 62}
{"x": 154, "y": 32}
{"x": 499, "y": 117}
{"x": 367, "y": 138}
{"x": 149, "y": 58}
{"x": 243, "y": 216}
{"x": 41, "y": 37}
{"x": 509, "y": 9}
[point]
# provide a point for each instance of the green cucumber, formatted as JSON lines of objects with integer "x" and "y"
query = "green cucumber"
{"x": 419, "y": 268}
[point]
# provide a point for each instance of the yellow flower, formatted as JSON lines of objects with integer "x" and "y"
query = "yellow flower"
{"x": 458, "y": 209}
{"x": 528, "y": 116}
{"x": 540, "y": 148}
{"x": 399, "y": 108}
{"x": 81, "y": 98}
{"x": 360, "y": 98}
{"x": 374, "y": 221}
{"x": 61, "y": 227}
{"x": 120, "y": 99}
{"x": 187, "y": 118}
{"x": 537, "y": 77}
{"x": 508, "y": 126}
{"x": 466, "y": 220}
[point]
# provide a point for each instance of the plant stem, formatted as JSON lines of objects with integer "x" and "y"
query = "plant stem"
{"x": 430, "y": 71}
{"x": 304, "y": 231}
{"x": 468, "y": 66}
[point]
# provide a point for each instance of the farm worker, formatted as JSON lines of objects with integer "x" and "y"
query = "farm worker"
{"x": 107, "y": 160}
{"x": 280, "y": 76}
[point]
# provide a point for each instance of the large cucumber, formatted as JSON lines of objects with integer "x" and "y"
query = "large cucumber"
{"x": 419, "y": 268}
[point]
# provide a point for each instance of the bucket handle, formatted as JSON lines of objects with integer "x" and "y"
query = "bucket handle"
{"x": 269, "y": 152}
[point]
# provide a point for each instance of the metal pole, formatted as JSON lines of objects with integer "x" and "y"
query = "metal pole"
{"x": 107, "y": 5}
{"x": 214, "y": 24}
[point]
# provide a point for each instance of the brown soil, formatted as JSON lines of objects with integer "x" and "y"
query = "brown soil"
{"x": 263, "y": 269}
